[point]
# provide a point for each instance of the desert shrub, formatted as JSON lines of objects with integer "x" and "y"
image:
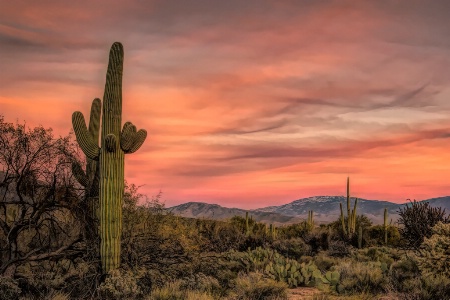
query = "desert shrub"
{"x": 383, "y": 255}
{"x": 298, "y": 230}
{"x": 9, "y": 289}
{"x": 56, "y": 295}
{"x": 253, "y": 241}
{"x": 292, "y": 248}
{"x": 374, "y": 236}
{"x": 403, "y": 274}
{"x": 434, "y": 258}
{"x": 421, "y": 288}
{"x": 338, "y": 249}
{"x": 318, "y": 239}
{"x": 255, "y": 286}
{"x": 119, "y": 285}
{"x": 219, "y": 236}
{"x": 174, "y": 291}
{"x": 200, "y": 282}
{"x": 418, "y": 219}
{"x": 324, "y": 262}
{"x": 358, "y": 277}
{"x": 77, "y": 278}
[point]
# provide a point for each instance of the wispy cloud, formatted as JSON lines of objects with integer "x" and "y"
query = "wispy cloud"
{"x": 248, "y": 102}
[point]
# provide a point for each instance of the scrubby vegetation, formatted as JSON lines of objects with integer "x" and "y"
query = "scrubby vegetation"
{"x": 46, "y": 250}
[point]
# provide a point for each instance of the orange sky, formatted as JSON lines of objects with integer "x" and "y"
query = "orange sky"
{"x": 248, "y": 103}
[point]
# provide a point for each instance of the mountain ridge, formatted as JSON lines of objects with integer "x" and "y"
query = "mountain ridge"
{"x": 326, "y": 209}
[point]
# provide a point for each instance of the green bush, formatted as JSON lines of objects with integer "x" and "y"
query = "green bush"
{"x": 318, "y": 239}
{"x": 119, "y": 285}
{"x": 358, "y": 277}
{"x": 9, "y": 289}
{"x": 422, "y": 288}
{"x": 324, "y": 263}
{"x": 292, "y": 248}
{"x": 255, "y": 286}
{"x": 200, "y": 282}
{"x": 339, "y": 249}
{"x": 434, "y": 258}
{"x": 403, "y": 274}
{"x": 298, "y": 230}
{"x": 374, "y": 236}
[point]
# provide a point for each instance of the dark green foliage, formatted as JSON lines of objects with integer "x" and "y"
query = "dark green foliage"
{"x": 292, "y": 248}
{"x": 297, "y": 230}
{"x": 9, "y": 289}
{"x": 375, "y": 235}
{"x": 360, "y": 221}
{"x": 318, "y": 239}
{"x": 417, "y": 220}
{"x": 402, "y": 272}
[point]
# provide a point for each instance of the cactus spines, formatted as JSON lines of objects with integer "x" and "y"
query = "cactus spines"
{"x": 110, "y": 156}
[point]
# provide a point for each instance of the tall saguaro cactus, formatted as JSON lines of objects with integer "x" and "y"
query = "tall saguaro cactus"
{"x": 114, "y": 144}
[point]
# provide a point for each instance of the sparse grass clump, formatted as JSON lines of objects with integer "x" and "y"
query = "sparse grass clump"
{"x": 255, "y": 286}
{"x": 175, "y": 291}
{"x": 360, "y": 277}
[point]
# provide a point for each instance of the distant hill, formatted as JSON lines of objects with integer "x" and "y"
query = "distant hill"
{"x": 217, "y": 212}
{"x": 326, "y": 209}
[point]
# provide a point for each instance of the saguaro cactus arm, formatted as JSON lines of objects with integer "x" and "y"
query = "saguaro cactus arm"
{"x": 79, "y": 174}
{"x": 110, "y": 142}
{"x": 84, "y": 138}
{"x": 94, "y": 120}
{"x": 131, "y": 140}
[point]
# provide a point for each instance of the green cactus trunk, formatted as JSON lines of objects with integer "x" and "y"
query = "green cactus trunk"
{"x": 112, "y": 163}
{"x": 349, "y": 229}
{"x": 114, "y": 145}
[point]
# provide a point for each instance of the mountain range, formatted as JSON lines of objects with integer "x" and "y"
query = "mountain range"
{"x": 326, "y": 209}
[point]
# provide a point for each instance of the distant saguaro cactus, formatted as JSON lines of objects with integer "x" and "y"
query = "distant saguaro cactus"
{"x": 351, "y": 214}
{"x": 114, "y": 144}
{"x": 310, "y": 222}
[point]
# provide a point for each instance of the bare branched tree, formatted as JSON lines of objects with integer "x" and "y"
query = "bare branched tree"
{"x": 38, "y": 201}
{"x": 417, "y": 220}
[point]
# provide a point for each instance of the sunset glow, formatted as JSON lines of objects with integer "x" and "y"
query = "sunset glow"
{"x": 248, "y": 103}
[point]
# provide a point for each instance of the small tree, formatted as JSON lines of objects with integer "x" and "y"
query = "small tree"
{"x": 417, "y": 220}
{"x": 37, "y": 199}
